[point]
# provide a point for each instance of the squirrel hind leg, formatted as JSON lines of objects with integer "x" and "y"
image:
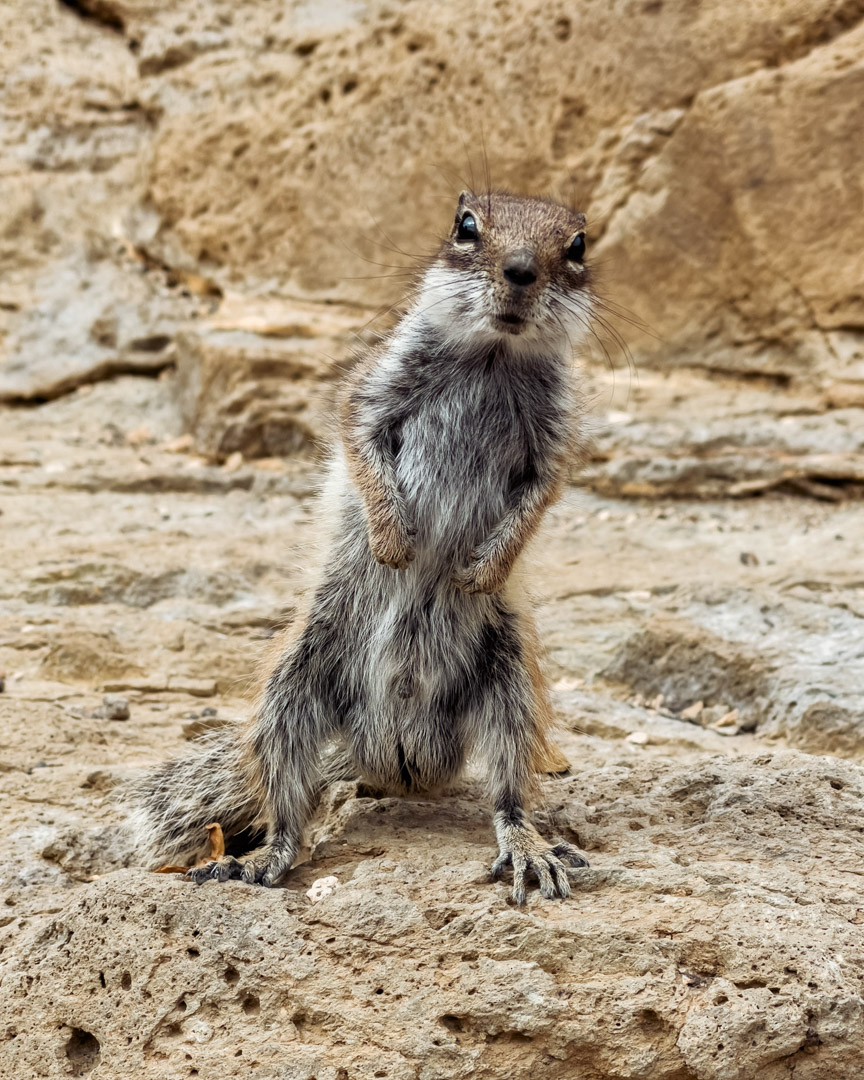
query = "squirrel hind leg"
{"x": 546, "y": 755}
{"x": 514, "y": 723}
{"x": 249, "y": 856}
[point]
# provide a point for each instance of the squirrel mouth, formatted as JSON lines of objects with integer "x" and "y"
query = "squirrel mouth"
{"x": 510, "y": 322}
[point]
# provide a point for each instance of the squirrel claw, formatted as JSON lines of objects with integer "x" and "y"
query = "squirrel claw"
{"x": 530, "y": 855}
{"x": 224, "y": 869}
{"x": 264, "y": 866}
{"x": 268, "y": 864}
{"x": 569, "y": 854}
{"x": 476, "y": 579}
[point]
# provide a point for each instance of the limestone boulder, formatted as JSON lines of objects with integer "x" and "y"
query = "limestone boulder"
{"x": 259, "y": 379}
{"x": 774, "y": 662}
{"x": 715, "y": 150}
{"x": 741, "y": 238}
{"x": 698, "y": 436}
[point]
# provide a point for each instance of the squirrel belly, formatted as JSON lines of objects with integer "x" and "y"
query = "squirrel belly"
{"x": 463, "y": 447}
{"x": 418, "y": 647}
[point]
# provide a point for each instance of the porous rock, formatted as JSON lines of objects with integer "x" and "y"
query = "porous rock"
{"x": 778, "y": 673}
{"x": 185, "y": 186}
{"x": 692, "y": 163}
{"x": 706, "y": 941}
{"x": 695, "y": 437}
{"x": 293, "y": 156}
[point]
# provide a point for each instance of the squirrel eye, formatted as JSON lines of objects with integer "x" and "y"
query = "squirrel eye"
{"x": 576, "y": 251}
{"x": 467, "y": 229}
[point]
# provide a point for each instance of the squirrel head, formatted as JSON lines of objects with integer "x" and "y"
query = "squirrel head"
{"x": 513, "y": 269}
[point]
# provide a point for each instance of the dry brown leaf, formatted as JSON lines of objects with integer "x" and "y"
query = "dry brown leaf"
{"x": 217, "y": 851}
{"x": 217, "y": 841}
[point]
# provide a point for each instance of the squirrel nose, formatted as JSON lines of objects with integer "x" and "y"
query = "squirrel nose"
{"x": 520, "y": 267}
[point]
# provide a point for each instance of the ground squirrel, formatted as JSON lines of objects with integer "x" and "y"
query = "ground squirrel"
{"x": 418, "y": 647}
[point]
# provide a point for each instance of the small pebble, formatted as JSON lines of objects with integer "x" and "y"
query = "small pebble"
{"x": 712, "y": 713}
{"x": 638, "y": 738}
{"x": 324, "y": 886}
{"x": 140, "y": 436}
{"x": 115, "y": 707}
{"x": 727, "y": 724}
{"x": 568, "y": 683}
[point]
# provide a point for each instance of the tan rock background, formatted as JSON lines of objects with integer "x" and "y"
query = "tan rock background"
{"x": 204, "y": 206}
{"x": 716, "y": 149}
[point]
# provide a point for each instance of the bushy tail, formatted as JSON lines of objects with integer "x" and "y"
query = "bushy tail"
{"x": 171, "y": 806}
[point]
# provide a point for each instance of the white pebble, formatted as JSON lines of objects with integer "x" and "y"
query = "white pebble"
{"x": 322, "y": 887}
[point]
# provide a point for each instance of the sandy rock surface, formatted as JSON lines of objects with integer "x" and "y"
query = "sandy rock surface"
{"x": 716, "y": 934}
{"x": 194, "y": 200}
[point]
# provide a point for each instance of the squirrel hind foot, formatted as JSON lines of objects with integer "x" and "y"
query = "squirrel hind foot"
{"x": 227, "y": 868}
{"x": 266, "y": 866}
{"x": 532, "y": 858}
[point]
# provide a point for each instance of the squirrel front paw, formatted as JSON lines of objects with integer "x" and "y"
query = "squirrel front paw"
{"x": 392, "y": 546}
{"x": 480, "y": 576}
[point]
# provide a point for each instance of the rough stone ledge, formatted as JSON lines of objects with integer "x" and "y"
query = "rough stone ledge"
{"x": 716, "y": 937}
